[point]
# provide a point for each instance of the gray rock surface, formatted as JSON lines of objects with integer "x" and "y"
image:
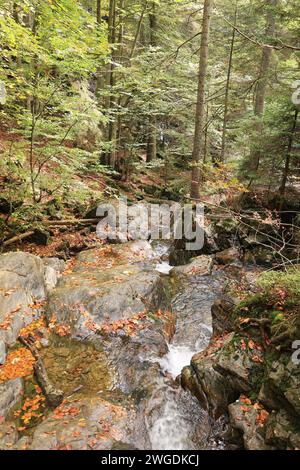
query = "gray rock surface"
{"x": 246, "y": 423}
{"x": 10, "y": 394}
{"x": 8, "y": 436}
{"x": 106, "y": 290}
{"x": 200, "y": 266}
{"x": 21, "y": 285}
{"x": 2, "y": 352}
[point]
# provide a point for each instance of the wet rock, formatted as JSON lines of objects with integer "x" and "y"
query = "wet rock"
{"x": 22, "y": 283}
{"x": 210, "y": 386}
{"x": 246, "y": 423}
{"x": 2, "y": 352}
{"x": 219, "y": 377}
{"x": 55, "y": 263}
{"x": 40, "y": 237}
{"x": 10, "y": 394}
{"x": 88, "y": 424}
{"x": 231, "y": 255}
{"x": 268, "y": 398}
{"x": 200, "y": 266}
{"x": 225, "y": 233}
{"x": 284, "y": 380}
{"x": 107, "y": 289}
{"x": 282, "y": 431}
{"x": 76, "y": 367}
{"x": 53, "y": 269}
{"x": 8, "y": 436}
{"x": 222, "y": 315}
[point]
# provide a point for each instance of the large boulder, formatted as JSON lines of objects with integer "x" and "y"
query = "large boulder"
{"x": 284, "y": 385}
{"x": 221, "y": 373}
{"x": 22, "y": 289}
{"x": 8, "y": 436}
{"x": 200, "y": 266}
{"x": 246, "y": 421}
{"x": 85, "y": 424}
{"x": 282, "y": 430}
{"x": 231, "y": 255}
{"x": 2, "y": 352}
{"x": 222, "y": 315}
{"x": 10, "y": 393}
{"x": 53, "y": 268}
{"x": 107, "y": 285}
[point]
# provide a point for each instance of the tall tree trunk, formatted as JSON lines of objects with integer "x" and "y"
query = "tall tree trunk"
{"x": 225, "y": 120}
{"x": 138, "y": 32}
{"x": 152, "y": 139}
{"x": 260, "y": 96}
{"x": 100, "y": 75}
{"x": 200, "y": 107}
{"x": 111, "y": 82}
{"x": 115, "y": 123}
{"x": 288, "y": 155}
{"x": 152, "y": 126}
{"x": 99, "y": 12}
{"x": 206, "y": 134}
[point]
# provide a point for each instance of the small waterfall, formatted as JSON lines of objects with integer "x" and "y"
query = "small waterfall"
{"x": 176, "y": 359}
{"x": 174, "y": 418}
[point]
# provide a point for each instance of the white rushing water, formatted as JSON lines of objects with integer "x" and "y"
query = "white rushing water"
{"x": 169, "y": 430}
{"x": 176, "y": 359}
{"x": 163, "y": 267}
{"x": 174, "y": 418}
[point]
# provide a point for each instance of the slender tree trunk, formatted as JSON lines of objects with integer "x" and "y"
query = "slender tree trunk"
{"x": 137, "y": 34}
{"x": 260, "y": 96}
{"x": 152, "y": 139}
{"x": 111, "y": 81}
{"x": 288, "y": 155}
{"x": 200, "y": 107}
{"x": 152, "y": 126}
{"x": 206, "y": 136}
{"x": 115, "y": 124}
{"x": 225, "y": 120}
{"x": 15, "y": 12}
{"x": 99, "y": 12}
{"x": 100, "y": 77}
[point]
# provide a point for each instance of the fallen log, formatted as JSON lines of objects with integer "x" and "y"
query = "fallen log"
{"x": 53, "y": 395}
{"x": 49, "y": 223}
{"x": 53, "y": 223}
{"x": 17, "y": 238}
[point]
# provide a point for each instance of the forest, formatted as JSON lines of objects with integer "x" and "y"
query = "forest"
{"x": 149, "y": 225}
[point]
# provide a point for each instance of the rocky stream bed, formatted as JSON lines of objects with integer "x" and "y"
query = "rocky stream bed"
{"x": 114, "y": 328}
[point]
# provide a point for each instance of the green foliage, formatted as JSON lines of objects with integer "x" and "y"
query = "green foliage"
{"x": 77, "y": 94}
{"x": 287, "y": 280}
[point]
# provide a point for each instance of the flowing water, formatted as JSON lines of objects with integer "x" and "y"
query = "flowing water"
{"x": 177, "y": 420}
